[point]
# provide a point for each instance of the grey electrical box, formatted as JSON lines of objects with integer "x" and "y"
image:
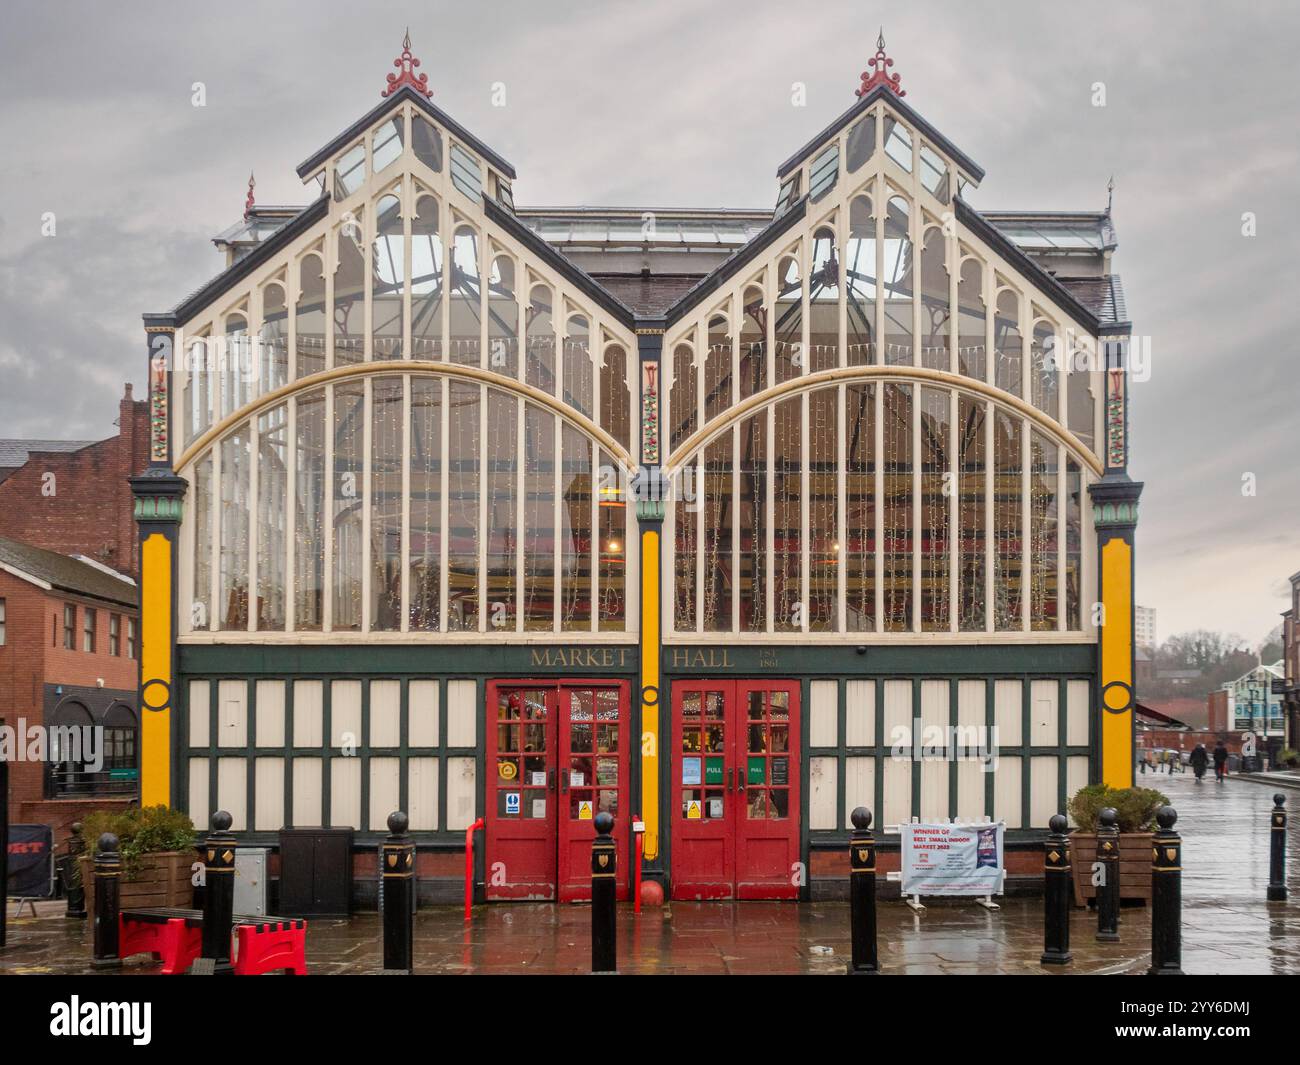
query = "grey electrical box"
{"x": 251, "y": 881}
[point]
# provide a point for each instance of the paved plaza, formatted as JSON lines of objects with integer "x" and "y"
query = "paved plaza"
{"x": 1228, "y": 927}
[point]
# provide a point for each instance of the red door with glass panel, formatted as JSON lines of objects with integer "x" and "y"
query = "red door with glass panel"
{"x": 735, "y": 793}
{"x": 557, "y": 756}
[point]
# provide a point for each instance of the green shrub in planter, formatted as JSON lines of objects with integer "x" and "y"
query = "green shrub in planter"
{"x": 1135, "y": 808}
{"x": 140, "y": 830}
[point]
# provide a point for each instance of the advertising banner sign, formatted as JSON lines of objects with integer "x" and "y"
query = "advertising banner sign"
{"x": 953, "y": 859}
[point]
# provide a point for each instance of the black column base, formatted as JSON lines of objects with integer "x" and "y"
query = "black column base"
{"x": 1165, "y": 970}
{"x": 1277, "y": 893}
{"x": 1107, "y": 937}
{"x": 1055, "y": 957}
{"x": 106, "y": 963}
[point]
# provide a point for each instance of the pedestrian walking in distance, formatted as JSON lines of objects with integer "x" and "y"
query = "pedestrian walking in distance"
{"x": 1200, "y": 759}
{"x": 1220, "y": 761}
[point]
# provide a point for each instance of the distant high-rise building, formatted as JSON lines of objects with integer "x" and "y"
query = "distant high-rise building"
{"x": 1144, "y": 626}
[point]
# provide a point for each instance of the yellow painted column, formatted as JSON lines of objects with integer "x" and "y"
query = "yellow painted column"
{"x": 650, "y": 688}
{"x": 1116, "y": 660}
{"x": 156, "y": 680}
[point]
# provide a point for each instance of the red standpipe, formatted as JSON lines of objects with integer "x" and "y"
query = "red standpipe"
{"x": 640, "y": 849}
{"x": 469, "y": 867}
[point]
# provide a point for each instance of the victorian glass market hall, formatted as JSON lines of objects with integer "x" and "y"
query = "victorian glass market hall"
{"x": 731, "y": 520}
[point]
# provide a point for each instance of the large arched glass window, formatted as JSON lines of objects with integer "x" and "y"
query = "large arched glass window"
{"x": 899, "y": 283}
{"x": 503, "y": 318}
{"x": 935, "y": 302}
{"x": 936, "y": 509}
{"x": 1044, "y": 360}
{"x": 860, "y": 283}
{"x": 237, "y": 368}
{"x": 273, "y": 362}
{"x": 309, "y": 317}
{"x": 232, "y": 550}
{"x": 539, "y": 357}
{"x": 579, "y": 376}
{"x": 682, "y": 404}
{"x": 387, "y": 279}
{"x": 310, "y": 481}
{"x": 1007, "y": 344}
{"x": 350, "y": 294}
{"x": 717, "y": 369}
{"x": 753, "y": 343}
{"x": 465, "y": 306}
{"x": 426, "y": 281}
{"x": 272, "y": 515}
{"x": 824, "y": 302}
{"x": 789, "y": 355}
{"x": 971, "y": 355}
{"x": 615, "y": 395}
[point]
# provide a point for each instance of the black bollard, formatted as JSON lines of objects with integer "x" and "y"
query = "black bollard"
{"x": 1166, "y": 897}
{"x": 1057, "y": 888}
{"x": 604, "y": 917}
{"x": 1108, "y": 889}
{"x": 73, "y": 887}
{"x": 1277, "y": 851}
{"x": 397, "y": 857}
{"x": 108, "y": 875}
{"x": 862, "y": 895}
{"x": 218, "y": 899}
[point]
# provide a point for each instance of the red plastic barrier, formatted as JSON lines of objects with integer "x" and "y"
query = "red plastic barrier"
{"x": 469, "y": 867}
{"x": 172, "y": 941}
{"x": 263, "y": 948}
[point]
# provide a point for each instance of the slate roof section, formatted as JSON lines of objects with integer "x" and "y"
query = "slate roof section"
{"x": 1103, "y": 296}
{"x": 15, "y": 453}
{"x": 650, "y": 296}
{"x": 66, "y": 574}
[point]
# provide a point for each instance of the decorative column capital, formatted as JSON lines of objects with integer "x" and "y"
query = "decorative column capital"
{"x": 1115, "y": 502}
{"x": 159, "y": 496}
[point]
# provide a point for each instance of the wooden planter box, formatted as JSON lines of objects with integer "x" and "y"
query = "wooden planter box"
{"x": 1134, "y": 865}
{"x": 162, "y": 879}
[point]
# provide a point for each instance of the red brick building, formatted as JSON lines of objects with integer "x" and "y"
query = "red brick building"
{"x": 72, "y": 496}
{"x": 69, "y": 640}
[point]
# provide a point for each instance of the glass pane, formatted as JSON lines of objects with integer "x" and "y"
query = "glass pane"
{"x": 426, "y": 281}
{"x": 350, "y": 172}
{"x": 859, "y": 553}
{"x": 463, "y": 518}
{"x": 426, "y": 142}
{"x": 349, "y": 458}
{"x": 387, "y": 144}
{"x": 386, "y": 503}
{"x": 425, "y": 461}
{"x": 309, "y": 530}
{"x": 272, "y": 514}
{"x": 387, "y": 280}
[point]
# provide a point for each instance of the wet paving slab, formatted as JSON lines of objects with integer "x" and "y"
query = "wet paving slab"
{"x": 1228, "y": 926}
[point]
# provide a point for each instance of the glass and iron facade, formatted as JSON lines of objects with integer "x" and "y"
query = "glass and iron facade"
{"x": 454, "y": 502}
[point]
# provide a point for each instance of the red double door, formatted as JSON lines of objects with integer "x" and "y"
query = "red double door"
{"x": 735, "y": 796}
{"x": 557, "y": 756}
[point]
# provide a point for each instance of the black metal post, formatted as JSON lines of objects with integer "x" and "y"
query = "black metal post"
{"x": 1166, "y": 897}
{"x": 397, "y": 860}
{"x": 108, "y": 876}
{"x": 1277, "y": 851}
{"x": 604, "y": 916}
{"x": 1057, "y": 888}
{"x": 1108, "y": 889}
{"x": 218, "y": 898}
{"x": 862, "y": 895}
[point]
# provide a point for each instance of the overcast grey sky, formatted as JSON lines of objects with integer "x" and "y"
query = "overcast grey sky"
{"x": 685, "y": 103}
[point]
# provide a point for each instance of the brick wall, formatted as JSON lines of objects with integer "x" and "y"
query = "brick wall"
{"x": 90, "y": 512}
{"x": 32, "y": 657}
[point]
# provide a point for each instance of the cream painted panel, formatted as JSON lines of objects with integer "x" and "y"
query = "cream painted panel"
{"x": 1006, "y": 792}
{"x": 934, "y": 790}
{"x": 1043, "y": 801}
{"x": 308, "y": 718}
{"x": 1007, "y": 712}
{"x": 860, "y": 789}
{"x": 385, "y": 715}
{"x": 345, "y": 793}
{"x": 462, "y": 714}
{"x": 971, "y": 704}
{"x": 385, "y": 791}
{"x": 422, "y": 713}
{"x": 823, "y": 724}
{"x": 268, "y": 785}
{"x": 307, "y": 792}
{"x": 1076, "y": 777}
{"x": 1044, "y": 731}
{"x": 198, "y": 811}
{"x": 822, "y": 789}
{"x": 270, "y": 716}
{"x": 345, "y": 713}
{"x": 898, "y": 715}
{"x": 232, "y": 791}
{"x": 232, "y": 713}
{"x": 860, "y": 706}
{"x": 422, "y": 787}
{"x": 970, "y": 790}
{"x": 460, "y": 793}
{"x": 898, "y": 792}
{"x": 200, "y": 714}
{"x": 1076, "y": 713}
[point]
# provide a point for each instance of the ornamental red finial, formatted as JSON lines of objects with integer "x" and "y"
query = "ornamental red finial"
{"x": 407, "y": 63}
{"x": 879, "y": 61}
{"x": 248, "y": 203}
